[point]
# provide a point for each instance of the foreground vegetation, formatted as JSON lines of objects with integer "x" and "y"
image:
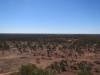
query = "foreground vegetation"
{"x": 54, "y": 69}
{"x": 31, "y": 69}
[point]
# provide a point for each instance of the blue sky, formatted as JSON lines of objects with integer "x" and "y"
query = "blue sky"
{"x": 50, "y": 16}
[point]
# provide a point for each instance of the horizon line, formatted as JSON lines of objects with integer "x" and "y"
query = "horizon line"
{"x": 58, "y": 33}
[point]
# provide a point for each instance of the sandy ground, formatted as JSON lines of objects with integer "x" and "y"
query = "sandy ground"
{"x": 16, "y": 61}
{"x": 12, "y": 63}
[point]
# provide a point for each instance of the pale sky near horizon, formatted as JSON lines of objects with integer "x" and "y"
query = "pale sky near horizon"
{"x": 50, "y": 16}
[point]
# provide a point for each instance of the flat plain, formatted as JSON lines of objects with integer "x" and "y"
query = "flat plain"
{"x": 65, "y": 54}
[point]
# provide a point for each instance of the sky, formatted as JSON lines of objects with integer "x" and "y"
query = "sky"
{"x": 50, "y": 16}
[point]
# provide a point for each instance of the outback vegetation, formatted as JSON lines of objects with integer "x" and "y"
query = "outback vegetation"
{"x": 31, "y": 69}
{"x": 50, "y": 54}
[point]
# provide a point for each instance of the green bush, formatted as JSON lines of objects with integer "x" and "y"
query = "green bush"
{"x": 84, "y": 66}
{"x": 59, "y": 66}
{"x": 85, "y": 69}
{"x": 84, "y": 72}
{"x": 31, "y": 69}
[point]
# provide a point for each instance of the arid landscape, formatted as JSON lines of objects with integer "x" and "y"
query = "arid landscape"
{"x": 62, "y": 54}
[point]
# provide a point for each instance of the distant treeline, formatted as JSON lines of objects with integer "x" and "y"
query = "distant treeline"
{"x": 38, "y": 36}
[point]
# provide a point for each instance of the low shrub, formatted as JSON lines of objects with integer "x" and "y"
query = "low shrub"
{"x": 31, "y": 69}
